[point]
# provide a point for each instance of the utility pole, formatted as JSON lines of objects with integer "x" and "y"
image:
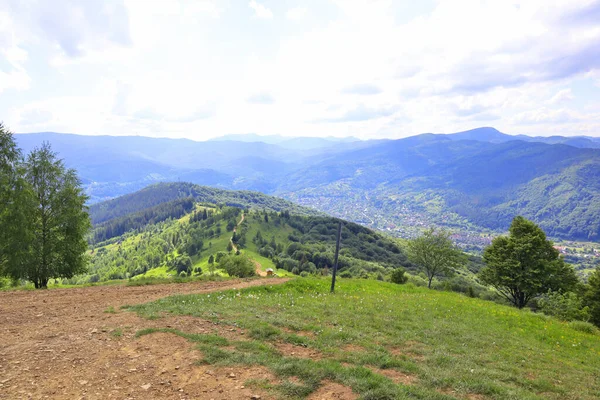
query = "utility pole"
{"x": 337, "y": 252}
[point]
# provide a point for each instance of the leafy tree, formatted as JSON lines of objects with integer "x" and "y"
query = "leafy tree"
{"x": 592, "y": 296}
{"x": 183, "y": 264}
{"x": 435, "y": 253}
{"x": 240, "y": 266}
{"x": 566, "y": 306}
{"x": 57, "y": 221}
{"x": 211, "y": 259}
{"x": 398, "y": 276}
{"x": 525, "y": 264}
{"x": 12, "y": 212}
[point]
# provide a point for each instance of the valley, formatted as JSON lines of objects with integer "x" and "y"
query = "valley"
{"x": 471, "y": 182}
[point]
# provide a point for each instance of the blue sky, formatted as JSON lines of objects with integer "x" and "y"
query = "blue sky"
{"x": 370, "y": 68}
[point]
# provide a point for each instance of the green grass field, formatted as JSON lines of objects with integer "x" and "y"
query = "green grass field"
{"x": 443, "y": 345}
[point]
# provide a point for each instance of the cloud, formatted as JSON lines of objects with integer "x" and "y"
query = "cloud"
{"x": 261, "y": 98}
{"x": 562, "y": 96}
{"x": 201, "y": 113}
{"x": 296, "y": 13}
{"x": 73, "y": 26}
{"x": 362, "y": 89}
{"x": 35, "y": 116}
{"x": 260, "y": 11}
{"x": 544, "y": 116}
{"x": 362, "y": 113}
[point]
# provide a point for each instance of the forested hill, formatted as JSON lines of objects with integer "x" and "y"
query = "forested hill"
{"x": 474, "y": 181}
{"x": 190, "y": 236}
{"x": 160, "y": 193}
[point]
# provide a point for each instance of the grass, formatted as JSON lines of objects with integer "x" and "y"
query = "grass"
{"x": 448, "y": 342}
{"x": 118, "y": 332}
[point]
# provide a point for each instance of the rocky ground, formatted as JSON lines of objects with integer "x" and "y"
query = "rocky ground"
{"x": 79, "y": 344}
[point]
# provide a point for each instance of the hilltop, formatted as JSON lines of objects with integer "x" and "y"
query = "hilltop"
{"x": 183, "y": 229}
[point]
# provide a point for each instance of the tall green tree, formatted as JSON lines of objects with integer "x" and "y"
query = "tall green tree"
{"x": 56, "y": 224}
{"x": 524, "y": 264}
{"x": 592, "y": 296}
{"x": 435, "y": 253}
{"x": 13, "y": 201}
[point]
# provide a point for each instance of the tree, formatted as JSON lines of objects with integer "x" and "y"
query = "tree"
{"x": 57, "y": 221}
{"x": 525, "y": 264}
{"x": 183, "y": 264}
{"x": 240, "y": 266}
{"x": 398, "y": 276}
{"x": 13, "y": 216}
{"x": 592, "y": 296}
{"x": 566, "y": 306}
{"x": 435, "y": 253}
{"x": 211, "y": 259}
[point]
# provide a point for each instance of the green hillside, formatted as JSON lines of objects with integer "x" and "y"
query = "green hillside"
{"x": 384, "y": 341}
{"x": 160, "y": 193}
{"x": 181, "y": 236}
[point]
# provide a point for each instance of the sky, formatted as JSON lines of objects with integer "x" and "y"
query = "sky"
{"x": 365, "y": 68}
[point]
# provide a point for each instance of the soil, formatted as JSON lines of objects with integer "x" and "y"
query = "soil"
{"x": 69, "y": 344}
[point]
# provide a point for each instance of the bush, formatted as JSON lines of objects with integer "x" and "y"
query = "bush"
{"x": 239, "y": 266}
{"x": 399, "y": 276}
{"x": 585, "y": 327}
{"x": 304, "y": 274}
{"x": 566, "y": 306}
{"x": 471, "y": 292}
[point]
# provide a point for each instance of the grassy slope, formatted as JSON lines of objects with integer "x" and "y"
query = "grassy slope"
{"x": 452, "y": 346}
{"x": 220, "y": 244}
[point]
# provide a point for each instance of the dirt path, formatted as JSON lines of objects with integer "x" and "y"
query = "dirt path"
{"x": 235, "y": 248}
{"x": 63, "y": 344}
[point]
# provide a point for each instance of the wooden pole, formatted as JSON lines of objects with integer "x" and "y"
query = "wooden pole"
{"x": 337, "y": 252}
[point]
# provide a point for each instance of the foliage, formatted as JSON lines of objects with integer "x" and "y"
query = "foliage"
{"x": 11, "y": 215}
{"x": 48, "y": 223}
{"x": 525, "y": 264}
{"x": 159, "y": 193}
{"x": 118, "y": 226}
{"x": 435, "y": 253}
{"x": 398, "y": 276}
{"x": 239, "y": 266}
{"x": 592, "y": 296}
{"x": 566, "y": 306}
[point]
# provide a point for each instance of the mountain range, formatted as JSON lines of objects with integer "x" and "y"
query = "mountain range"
{"x": 475, "y": 180}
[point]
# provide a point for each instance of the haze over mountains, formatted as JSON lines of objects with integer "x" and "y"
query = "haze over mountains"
{"x": 479, "y": 178}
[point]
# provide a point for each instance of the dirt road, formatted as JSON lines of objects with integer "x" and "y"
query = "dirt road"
{"x": 69, "y": 344}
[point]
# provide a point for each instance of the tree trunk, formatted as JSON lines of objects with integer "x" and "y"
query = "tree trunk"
{"x": 44, "y": 283}
{"x": 429, "y": 284}
{"x": 521, "y": 300}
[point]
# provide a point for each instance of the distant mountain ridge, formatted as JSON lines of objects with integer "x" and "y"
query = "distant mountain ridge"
{"x": 481, "y": 177}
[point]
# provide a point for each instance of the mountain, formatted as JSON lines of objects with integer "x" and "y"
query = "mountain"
{"x": 492, "y": 135}
{"x": 294, "y": 143}
{"x": 161, "y": 193}
{"x": 472, "y": 182}
{"x": 169, "y": 228}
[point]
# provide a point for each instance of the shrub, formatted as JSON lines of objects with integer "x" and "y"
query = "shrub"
{"x": 585, "y": 327}
{"x": 471, "y": 292}
{"x": 566, "y": 306}
{"x": 239, "y": 266}
{"x": 399, "y": 276}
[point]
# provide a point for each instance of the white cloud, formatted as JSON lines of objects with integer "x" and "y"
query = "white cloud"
{"x": 296, "y": 13}
{"x": 260, "y": 10}
{"x": 444, "y": 69}
{"x": 562, "y": 96}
